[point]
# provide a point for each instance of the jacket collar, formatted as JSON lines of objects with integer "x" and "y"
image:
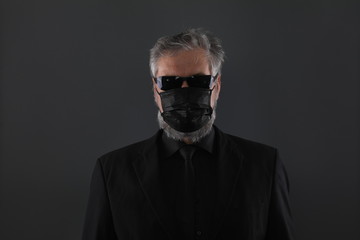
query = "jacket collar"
{"x": 147, "y": 170}
{"x": 169, "y": 146}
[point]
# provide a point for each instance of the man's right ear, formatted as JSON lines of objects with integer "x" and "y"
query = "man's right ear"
{"x": 157, "y": 96}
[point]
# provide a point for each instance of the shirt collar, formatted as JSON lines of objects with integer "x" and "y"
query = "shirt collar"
{"x": 169, "y": 146}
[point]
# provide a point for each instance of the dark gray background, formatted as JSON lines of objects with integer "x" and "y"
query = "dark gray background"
{"x": 75, "y": 84}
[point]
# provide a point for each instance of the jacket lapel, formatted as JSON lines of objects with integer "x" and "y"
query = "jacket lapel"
{"x": 230, "y": 161}
{"x": 147, "y": 171}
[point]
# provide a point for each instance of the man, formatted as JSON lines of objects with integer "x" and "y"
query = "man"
{"x": 190, "y": 180}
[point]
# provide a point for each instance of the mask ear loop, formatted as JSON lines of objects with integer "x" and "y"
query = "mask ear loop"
{"x": 214, "y": 82}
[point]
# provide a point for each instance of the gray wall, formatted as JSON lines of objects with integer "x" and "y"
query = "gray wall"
{"x": 75, "y": 85}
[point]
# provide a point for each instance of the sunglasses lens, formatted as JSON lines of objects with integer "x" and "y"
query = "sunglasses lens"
{"x": 202, "y": 81}
{"x": 170, "y": 82}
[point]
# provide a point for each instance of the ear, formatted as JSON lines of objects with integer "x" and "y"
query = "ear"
{"x": 153, "y": 83}
{"x": 157, "y": 98}
{"x": 218, "y": 86}
{"x": 219, "y": 82}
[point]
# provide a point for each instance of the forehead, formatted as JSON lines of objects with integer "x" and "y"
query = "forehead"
{"x": 184, "y": 63}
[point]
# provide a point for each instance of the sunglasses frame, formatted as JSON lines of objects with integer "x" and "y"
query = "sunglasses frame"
{"x": 159, "y": 81}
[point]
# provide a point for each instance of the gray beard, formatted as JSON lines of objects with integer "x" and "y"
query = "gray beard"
{"x": 194, "y": 137}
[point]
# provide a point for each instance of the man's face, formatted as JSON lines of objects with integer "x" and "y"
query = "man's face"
{"x": 185, "y": 64}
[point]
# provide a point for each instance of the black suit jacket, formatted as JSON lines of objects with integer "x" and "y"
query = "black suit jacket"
{"x": 126, "y": 201}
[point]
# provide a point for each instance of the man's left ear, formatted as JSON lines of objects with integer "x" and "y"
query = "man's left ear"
{"x": 218, "y": 83}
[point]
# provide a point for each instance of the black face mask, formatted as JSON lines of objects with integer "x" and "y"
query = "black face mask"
{"x": 186, "y": 109}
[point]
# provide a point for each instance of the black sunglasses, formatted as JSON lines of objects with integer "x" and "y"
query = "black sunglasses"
{"x": 171, "y": 82}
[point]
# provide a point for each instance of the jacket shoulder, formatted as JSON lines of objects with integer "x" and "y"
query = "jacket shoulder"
{"x": 257, "y": 157}
{"x": 250, "y": 147}
{"x": 125, "y": 155}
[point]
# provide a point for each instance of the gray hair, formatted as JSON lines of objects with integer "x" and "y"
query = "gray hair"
{"x": 188, "y": 40}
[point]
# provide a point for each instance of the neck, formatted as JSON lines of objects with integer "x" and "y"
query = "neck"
{"x": 187, "y": 140}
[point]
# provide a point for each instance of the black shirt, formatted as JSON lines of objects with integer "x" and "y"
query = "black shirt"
{"x": 171, "y": 175}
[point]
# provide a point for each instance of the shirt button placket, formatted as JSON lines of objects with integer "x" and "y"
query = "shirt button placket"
{"x": 198, "y": 234}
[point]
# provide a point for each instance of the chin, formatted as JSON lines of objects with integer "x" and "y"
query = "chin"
{"x": 193, "y": 137}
